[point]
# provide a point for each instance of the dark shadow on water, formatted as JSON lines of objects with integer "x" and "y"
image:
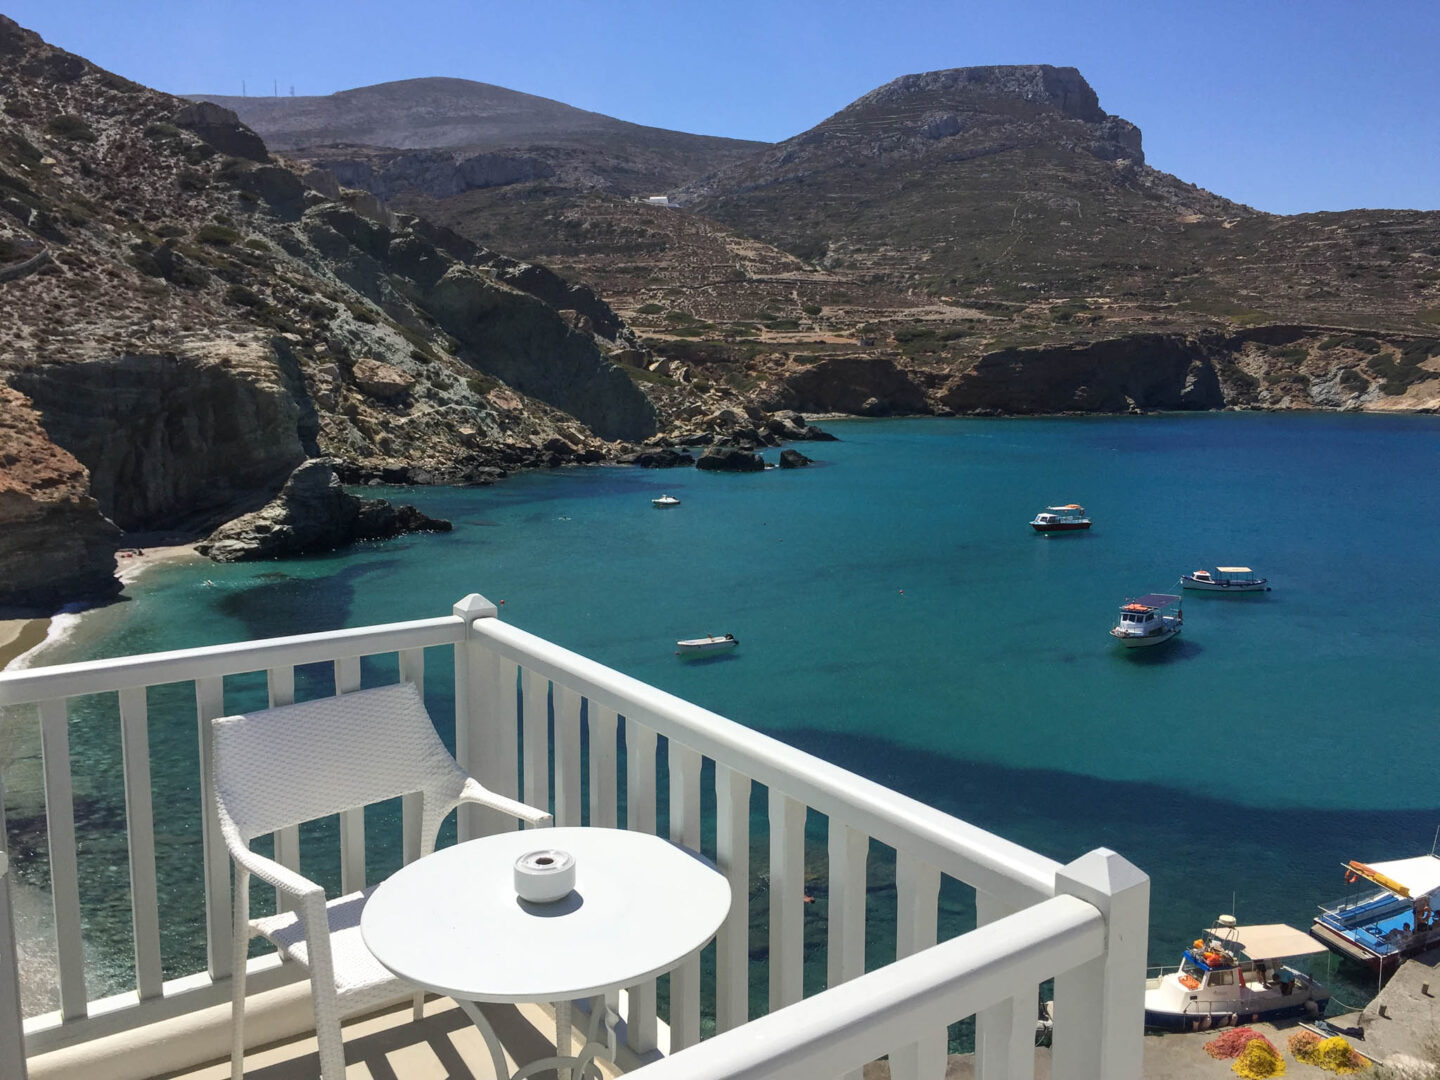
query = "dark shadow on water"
{"x": 1176, "y": 650}
{"x": 1271, "y": 862}
{"x": 301, "y": 604}
{"x": 704, "y": 660}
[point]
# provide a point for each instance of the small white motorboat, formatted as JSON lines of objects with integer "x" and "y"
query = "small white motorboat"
{"x": 704, "y": 646}
{"x": 1226, "y": 579}
{"x": 664, "y": 501}
{"x": 1143, "y": 621}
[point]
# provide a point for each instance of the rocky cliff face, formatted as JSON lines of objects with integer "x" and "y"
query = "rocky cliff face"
{"x": 173, "y": 440}
{"x": 188, "y": 320}
{"x": 55, "y": 544}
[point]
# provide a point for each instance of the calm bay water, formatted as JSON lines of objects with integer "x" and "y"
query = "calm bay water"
{"x": 898, "y": 616}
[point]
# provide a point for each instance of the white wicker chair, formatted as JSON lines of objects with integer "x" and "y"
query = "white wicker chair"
{"x": 278, "y": 767}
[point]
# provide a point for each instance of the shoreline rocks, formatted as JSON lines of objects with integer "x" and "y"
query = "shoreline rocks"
{"x": 313, "y": 513}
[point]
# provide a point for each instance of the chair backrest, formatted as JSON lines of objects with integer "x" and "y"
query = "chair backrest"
{"x": 279, "y": 767}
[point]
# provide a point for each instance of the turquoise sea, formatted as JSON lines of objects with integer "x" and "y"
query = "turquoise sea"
{"x": 897, "y": 616}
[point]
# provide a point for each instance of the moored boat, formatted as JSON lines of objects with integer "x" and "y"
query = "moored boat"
{"x": 1068, "y": 518}
{"x": 664, "y": 501}
{"x": 1143, "y": 621}
{"x": 703, "y": 646}
{"x": 1387, "y": 918}
{"x": 1234, "y": 975}
{"x": 1236, "y": 579}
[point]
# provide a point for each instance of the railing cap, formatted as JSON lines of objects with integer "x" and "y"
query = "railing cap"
{"x": 475, "y": 607}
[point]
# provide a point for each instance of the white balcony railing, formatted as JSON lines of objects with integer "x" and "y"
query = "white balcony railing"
{"x": 521, "y": 704}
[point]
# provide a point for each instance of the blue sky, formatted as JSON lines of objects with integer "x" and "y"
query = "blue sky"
{"x": 1288, "y": 105}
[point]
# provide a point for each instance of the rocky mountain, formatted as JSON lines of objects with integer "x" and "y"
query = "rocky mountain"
{"x": 184, "y": 321}
{"x": 441, "y": 136}
{"x": 979, "y": 220}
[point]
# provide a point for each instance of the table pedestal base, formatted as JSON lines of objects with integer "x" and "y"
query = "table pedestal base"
{"x": 579, "y": 1066}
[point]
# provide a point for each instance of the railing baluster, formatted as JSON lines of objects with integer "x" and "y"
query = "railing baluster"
{"x": 685, "y": 831}
{"x": 917, "y": 898}
{"x": 732, "y": 854}
{"x": 209, "y": 704}
{"x": 567, "y": 756}
{"x": 640, "y": 741}
{"x": 537, "y": 740}
{"x": 1004, "y": 1032}
{"x": 64, "y": 871}
{"x": 12, "y": 1026}
{"x": 412, "y": 669}
{"x": 787, "y": 900}
{"x": 602, "y": 724}
{"x": 849, "y": 851}
{"x": 140, "y": 831}
{"x": 352, "y": 821}
{"x": 281, "y": 682}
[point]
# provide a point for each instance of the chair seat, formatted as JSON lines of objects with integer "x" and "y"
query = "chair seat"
{"x": 357, "y": 972}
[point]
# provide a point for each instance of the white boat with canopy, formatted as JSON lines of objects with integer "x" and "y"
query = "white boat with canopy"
{"x": 1235, "y": 975}
{"x": 1389, "y": 917}
{"x": 1226, "y": 579}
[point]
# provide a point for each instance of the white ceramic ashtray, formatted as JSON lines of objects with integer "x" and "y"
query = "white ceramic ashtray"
{"x": 544, "y": 876}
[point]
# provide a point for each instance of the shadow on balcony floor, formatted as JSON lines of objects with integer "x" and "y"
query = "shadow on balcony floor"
{"x": 445, "y": 1045}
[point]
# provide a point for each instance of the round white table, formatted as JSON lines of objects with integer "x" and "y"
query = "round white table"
{"x": 451, "y": 923}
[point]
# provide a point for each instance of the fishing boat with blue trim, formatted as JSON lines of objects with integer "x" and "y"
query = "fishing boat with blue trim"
{"x": 1236, "y": 975}
{"x": 1388, "y": 917}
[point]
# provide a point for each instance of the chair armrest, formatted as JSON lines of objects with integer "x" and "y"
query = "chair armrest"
{"x": 475, "y": 792}
{"x": 273, "y": 873}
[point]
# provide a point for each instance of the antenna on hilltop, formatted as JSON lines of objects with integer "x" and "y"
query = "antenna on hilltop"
{"x": 242, "y": 88}
{"x": 277, "y": 87}
{"x": 292, "y": 89}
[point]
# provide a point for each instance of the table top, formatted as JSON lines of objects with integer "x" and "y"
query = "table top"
{"x": 451, "y": 922}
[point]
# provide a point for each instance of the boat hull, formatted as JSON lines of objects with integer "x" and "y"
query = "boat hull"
{"x": 1145, "y": 641}
{"x": 1060, "y": 526}
{"x": 704, "y": 647}
{"x": 1258, "y": 585}
{"x": 1165, "y": 1020}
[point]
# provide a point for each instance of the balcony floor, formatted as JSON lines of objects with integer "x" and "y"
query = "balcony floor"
{"x": 445, "y": 1045}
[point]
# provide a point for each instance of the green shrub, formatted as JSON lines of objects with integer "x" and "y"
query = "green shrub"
{"x": 69, "y": 126}
{"x": 255, "y": 243}
{"x": 1366, "y": 345}
{"x": 811, "y": 309}
{"x": 480, "y": 385}
{"x": 679, "y": 317}
{"x": 216, "y": 235}
{"x": 649, "y": 309}
{"x": 243, "y": 296}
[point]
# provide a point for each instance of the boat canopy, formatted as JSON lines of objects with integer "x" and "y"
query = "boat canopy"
{"x": 1418, "y": 876}
{"x": 1234, "y": 569}
{"x": 1271, "y": 941}
{"x": 1067, "y": 506}
{"x": 1151, "y": 600}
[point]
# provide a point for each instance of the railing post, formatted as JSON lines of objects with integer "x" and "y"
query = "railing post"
{"x": 917, "y": 915}
{"x": 1100, "y": 1005}
{"x": 12, "y": 1025}
{"x": 477, "y": 744}
{"x": 1005, "y": 1032}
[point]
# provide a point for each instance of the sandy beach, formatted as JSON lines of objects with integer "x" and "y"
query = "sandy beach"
{"x": 20, "y": 637}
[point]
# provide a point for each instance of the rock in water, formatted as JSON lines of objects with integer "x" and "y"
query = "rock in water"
{"x": 312, "y": 513}
{"x": 730, "y": 459}
{"x": 792, "y": 459}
